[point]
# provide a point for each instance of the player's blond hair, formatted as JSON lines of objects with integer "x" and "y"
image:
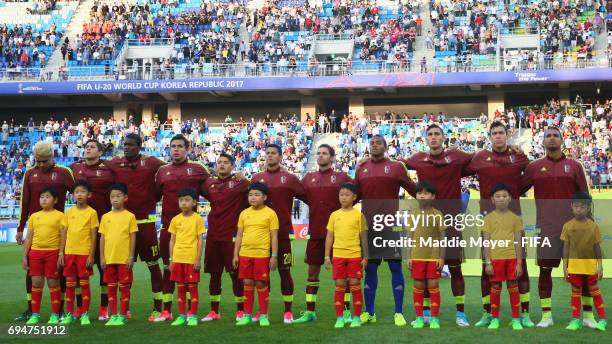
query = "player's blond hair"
{"x": 43, "y": 149}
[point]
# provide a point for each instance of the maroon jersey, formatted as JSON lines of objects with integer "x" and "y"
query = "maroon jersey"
{"x": 171, "y": 179}
{"x": 284, "y": 186}
{"x": 554, "y": 184}
{"x": 444, "y": 172}
{"x": 382, "y": 179}
{"x": 493, "y": 167}
{"x": 139, "y": 176}
{"x": 228, "y": 197}
{"x": 100, "y": 176}
{"x": 34, "y": 180}
{"x": 322, "y": 196}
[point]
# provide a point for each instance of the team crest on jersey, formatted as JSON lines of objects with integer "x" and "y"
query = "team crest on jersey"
{"x": 98, "y": 173}
{"x": 387, "y": 169}
{"x": 313, "y": 180}
{"x": 447, "y": 159}
{"x": 168, "y": 173}
{"x": 333, "y": 179}
{"x": 189, "y": 171}
{"x": 261, "y": 181}
{"x": 212, "y": 186}
{"x": 80, "y": 171}
{"x": 231, "y": 184}
{"x": 53, "y": 176}
{"x": 142, "y": 163}
{"x": 566, "y": 168}
{"x": 543, "y": 169}
{"x": 512, "y": 159}
{"x": 283, "y": 179}
{"x": 365, "y": 170}
{"x": 122, "y": 165}
{"x": 35, "y": 175}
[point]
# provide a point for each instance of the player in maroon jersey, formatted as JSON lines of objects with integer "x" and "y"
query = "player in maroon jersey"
{"x": 228, "y": 196}
{"x": 555, "y": 179}
{"x": 99, "y": 175}
{"x": 500, "y": 165}
{"x": 444, "y": 169}
{"x": 322, "y": 189}
{"x": 43, "y": 175}
{"x": 170, "y": 179}
{"x": 379, "y": 180}
{"x": 283, "y": 186}
{"x": 138, "y": 171}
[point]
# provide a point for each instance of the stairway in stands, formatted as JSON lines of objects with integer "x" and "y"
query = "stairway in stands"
{"x": 75, "y": 27}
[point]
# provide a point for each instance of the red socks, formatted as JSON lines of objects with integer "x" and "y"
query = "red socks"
{"x": 56, "y": 299}
{"x": 193, "y": 292}
{"x": 70, "y": 290}
{"x": 263, "y": 294}
{"x": 597, "y": 301}
{"x": 495, "y": 301}
{"x": 36, "y": 299}
{"x": 112, "y": 298}
{"x": 417, "y": 296}
{"x": 434, "y": 294}
{"x": 515, "y": 300}
{"x": 357, "y": 299}
{"x": 576, "y": 301}
{"x": 249, "y": 298}
{"x": 181, "y": 298}
{"x": 125, "y": 297}
{"x": 339, "y": 300}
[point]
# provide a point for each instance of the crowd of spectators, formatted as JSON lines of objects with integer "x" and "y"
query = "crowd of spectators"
{"x": 21, "y": 46}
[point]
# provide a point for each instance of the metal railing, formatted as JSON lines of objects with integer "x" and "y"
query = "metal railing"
{"x": 335, "y": 36}
{"x": 149, "y": 42}
{"x": 303, "y": 69}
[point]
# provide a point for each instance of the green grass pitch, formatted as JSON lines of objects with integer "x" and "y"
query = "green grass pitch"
{"x": 140, "y": 330}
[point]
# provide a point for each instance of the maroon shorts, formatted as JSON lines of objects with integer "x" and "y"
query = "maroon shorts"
{"x": 285, "y": 254}
{"x": 424, "y": 269}
{"x": 146, "y": 242}
{"x": 550, "y": 257}
{"x": 503, "y": 270}
{"x": 97, "y": 254}
{"x": 164, "y": 244}
{"x": 578, "y": 281}
{"x": 118, "y": 273}
{"x": 184, "y": 273}
{"x": 75, "y": 265}
{"x": 315, "y": 252}
{"x": 218, "y": 256}
{"x": 346, "y": 268}
{"x": 257, "y": 269}
{"x": 43, "y": 263}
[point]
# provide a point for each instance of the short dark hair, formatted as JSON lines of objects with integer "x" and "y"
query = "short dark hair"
{"x": 278, "y": 148}
{"x": 500, "y": 187}
{"x": 182, "y": 138}
{"x": 119, "y": 187}
{"x": 228, "y": 157}
{"x": 50, "y": 190}
{"x": 83, "y": 183}
{"x": 496, "y": 124}
{"x": 434, "y": 126}
{"x": 332, "y": 151}
{"x": 555, "y": 128}
{"x": 382, "y": 138}
{"x": 134, "y": 137}
{"x": 349, "y": 186}
{"x": 427, "y": 186}
{"x": 582, "y": 197}
{"x": 191, "y": 192}
{"x": 260, "y": 187}
{"x": 98, "y": 144}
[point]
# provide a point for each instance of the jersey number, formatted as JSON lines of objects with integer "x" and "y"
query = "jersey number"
{"x": 287, "y": 258}
{"x": 154, "y": 250}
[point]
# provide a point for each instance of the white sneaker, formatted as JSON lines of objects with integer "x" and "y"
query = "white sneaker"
{"x": 548, "y": 322}
{"x": 590, "y": 323}
{"x": 462, "y": 322}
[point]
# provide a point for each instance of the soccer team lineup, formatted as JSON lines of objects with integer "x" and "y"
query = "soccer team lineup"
{"x": 355, "y": 226}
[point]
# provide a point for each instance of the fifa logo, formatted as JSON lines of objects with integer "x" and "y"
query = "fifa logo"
{"x": 387, "y": 169}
